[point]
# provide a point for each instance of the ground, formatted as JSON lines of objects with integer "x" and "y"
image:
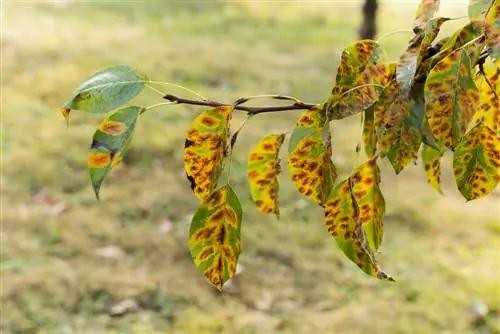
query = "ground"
{"x": 68, "y": 261}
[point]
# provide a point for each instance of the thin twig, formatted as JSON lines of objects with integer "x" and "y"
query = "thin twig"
{"x": 249, "y": 110}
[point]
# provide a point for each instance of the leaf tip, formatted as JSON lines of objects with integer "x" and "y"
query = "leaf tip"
{"x": 65, "y": 111}
{"x": 97, "y": 194}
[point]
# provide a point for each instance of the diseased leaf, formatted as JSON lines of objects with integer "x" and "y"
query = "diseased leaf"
{"x": 263, "y": 169}
{"x": 214, "y": 236}
{"x": 432, "y": 29}
{"x": 451, "y": 98}
{"x": 488, "y": 110}
{"x": 426, "y": 11}
{"x": 461, "y": 37}
{"x": 406, "y": 68}
{"x": 398, "y": 125}
{"x": 418, "y": 49}
{"x": 309, "y": 160}
{"x": 478, "y": 9}
{"x": 431, "y": 158}
{"x": 369, "y": 135}
{"x": 105, "y": 91}
{"x": 492, "y": 30}
{"x": 206, "y": 142}
{"x": 110, "y": 142}
{"x": 353, "y": 216}
{"x": 353, "y": 61}
{"x": 371, "y": 205}
{"x": 404, "y": 149}
{"x": 359, "y": 80}
{"x": 476, "y": 163}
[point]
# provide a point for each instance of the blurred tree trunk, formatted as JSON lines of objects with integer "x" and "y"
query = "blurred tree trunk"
{"x": 368, "y": 28}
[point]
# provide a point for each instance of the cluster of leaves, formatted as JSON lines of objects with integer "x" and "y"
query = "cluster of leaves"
{"x": 438, "y": 96}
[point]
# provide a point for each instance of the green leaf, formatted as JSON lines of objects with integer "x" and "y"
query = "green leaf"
{"x": 110, "y": 142}
{"x": 204, "y": 149}
{"x": 353, "y": 216}
{"x": 431, "y": 158}
{"x": 214, "y": 236}
{"x": 426, "y": 11}
{"x": 263, "y": 169}
{"x": 492, "y": 30}
{"x": 106, "y": 91}
{"x": 478, "y": 9}
{"x": 309, "y": 157}
{"x": 451, "y": 97}
{"x": 476, "y": 163}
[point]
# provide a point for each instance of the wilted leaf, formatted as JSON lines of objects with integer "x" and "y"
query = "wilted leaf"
{"x": 353, "y": 216}
{"x": 477, "y": 162}
{"x": 426, "y": 11}
{"x": 214, "y": 236}
{"x": 263, "y": 169}
{"x": 431, "y": 158}
{"x": 359, "y": 80}
{"x": 206, "y": 142}
{"x": 489, "y": 105}
{"x": 451, "y": 98}
{"x": 492, "y": 30}
{"x": 309, "y": 160}
{"x": 105, "y": 91}
{"x": 478, "y": 9}
{"x": 110, "y": 142}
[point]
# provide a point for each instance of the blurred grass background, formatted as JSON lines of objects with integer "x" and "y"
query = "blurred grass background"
{"x": 69, "y": 261}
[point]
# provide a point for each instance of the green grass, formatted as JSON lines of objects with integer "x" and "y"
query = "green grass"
{"x": 443, "y": 252}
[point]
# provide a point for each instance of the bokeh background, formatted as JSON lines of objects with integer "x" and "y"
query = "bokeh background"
{"x": 71, "y": 264}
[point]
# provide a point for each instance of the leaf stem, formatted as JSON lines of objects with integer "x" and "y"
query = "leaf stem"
{"x": 231, "y": 145}
{"x": 158, "y": 105}
{"x": 392, "y": 33}
{"x": 154, "y": 89}
{"x": 469, "y": 42}
{"x": 176, "y": 86}
{"x": 358, "y": 87}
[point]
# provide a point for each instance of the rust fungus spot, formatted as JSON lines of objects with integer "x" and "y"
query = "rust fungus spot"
{"x": 253, "y": 173}
{"x": 262, "y": 182}
{"x": 209, "y": 121}
{"x": 113, "y": 128}
{"x": 256, "y": 157}
{"x": 99, "y": 159}
{"x": 206, "y": 253}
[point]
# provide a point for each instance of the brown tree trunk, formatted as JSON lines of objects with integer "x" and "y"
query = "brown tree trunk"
{"x": 369, "y": 26}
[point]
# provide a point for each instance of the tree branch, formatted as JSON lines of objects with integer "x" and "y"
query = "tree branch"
{"x": 249, "y": 110}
